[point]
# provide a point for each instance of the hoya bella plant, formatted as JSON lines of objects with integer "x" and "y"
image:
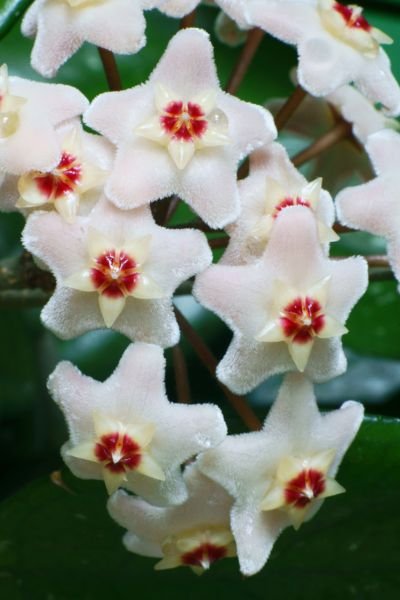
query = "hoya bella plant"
{"x": 98, "y": 209}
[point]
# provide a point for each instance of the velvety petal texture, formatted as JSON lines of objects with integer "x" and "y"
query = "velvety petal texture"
{"x": 183, "y": 127}
{"x": 132, "y": 404}
{"x": 60, "y": 28}
{"x": 257, "y": 469}
{"x": 116, "y": 269}
{"x": 235, "y": 9}
{"x": 73, "y": 186}
{"x": 30, "y": 112}
{"x": 287, "y": 310}
{"x": 273, "y": 185}
{"x": 334, "y": 45}
{"x": 375, "y": 206}
{"x": 151, "y": 529}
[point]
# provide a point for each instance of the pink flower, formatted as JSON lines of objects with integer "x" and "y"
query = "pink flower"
{"x": 115, "y": 269}
{"x": 374, "y": 206}
{"x": 336, "y": 45}
{"x": 195, "y": 534}
{"x": 287, "y": 310}
{"x": 280, "y": 476}
{"x": 29, "y": 113}
{"x": 73, "y": 186}
{"x": 125, "y": 430}
{"x": 273, "y": 185}
{"x": 181, "y": 126}
{"x": 60, "y": 28}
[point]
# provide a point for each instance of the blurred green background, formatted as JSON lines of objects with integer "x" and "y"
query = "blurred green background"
{"x": 55, "y": 544}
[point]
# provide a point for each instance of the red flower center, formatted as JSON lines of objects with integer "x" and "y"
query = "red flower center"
{"x": 206, "y": 554}
{"x": 114, "y": 274}
{"x": 118, "y": 452}
{"x": 183, "y": 122}
{"x": 62, "y": 180}
{"x": 352, "y": 18}
{"x": 303, "y": 488}
{"x": 302, "y": 319}
{"x": 289, "y": 202}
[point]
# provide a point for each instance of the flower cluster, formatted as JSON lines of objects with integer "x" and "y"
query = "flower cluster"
{"x": 92, "y": 204}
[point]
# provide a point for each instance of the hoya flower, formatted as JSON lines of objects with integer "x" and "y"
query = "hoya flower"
{"x": 235, "y": 9}
{"x": 29, "y": 113}
{"x": 374, "y": 206}
{"x": 125, "y": 430}
{"x": 280, "y": 476}
{"x": 273, "y": 185}
{"x": 78, "y": 177}
{"x": 336, "y": 45}
{"x": 288, "y": 309}
{"x": 114, "y": 269}
{"x": 195, "y": 534}
{"x": 181, "y": 126}
{"x": 60, "y": 28}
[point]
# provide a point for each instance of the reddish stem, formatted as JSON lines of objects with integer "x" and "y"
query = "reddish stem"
{"x": 110, "y": 69}
{"x": 238, "y": 403}
{"x": 181, "y": 375}
{"x": 250, "y": 48}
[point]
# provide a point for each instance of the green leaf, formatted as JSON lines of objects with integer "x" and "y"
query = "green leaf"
{"x": 10, "y": 12}
{"x": 59, "y": 543}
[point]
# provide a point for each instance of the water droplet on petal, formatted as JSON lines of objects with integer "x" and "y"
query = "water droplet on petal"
{"x": 218, "y": 120}
{"x": 9, "y": 122}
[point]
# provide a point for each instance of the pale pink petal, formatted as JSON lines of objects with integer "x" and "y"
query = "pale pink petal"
{"x": 371, "y": 207}
{"x": 132, "y": 182}
{"x": 255, "y": 534}
{"x": 175, "y": 70}
{"x": 383, "y": 148}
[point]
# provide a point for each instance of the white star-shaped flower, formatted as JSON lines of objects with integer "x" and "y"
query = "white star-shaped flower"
{"x": 181, "y": 126}
{"x": 195, "y": 534}
{"x": 375, "y": 206}
{"x": 29, "y": 113}
{"x": 280, "y": 475}
{"x": 115, "y": 269}
{"x": 273, "y": 185}
{"x": 77, "y": 179}
{"x": 125, "y": 430}
{"x": 60, "y": 28}
{"x": 287, "y": 310}
{"x": 336, "y": 45}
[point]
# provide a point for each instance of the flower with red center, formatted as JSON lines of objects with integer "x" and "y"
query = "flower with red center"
{"x": 195, "y": 534}
{"x": 279, "y": 476}
{"x": 119, "y": 448}
{"x": 184, "y": 121}
{"x": 116, "y": 269}
{"x": 115, "y": 272}
{"x": 300, "y": 318}
{"x": 124, "y": 430}
{"x": 350, "y": 26}
{"x": 299, "y": 483}
{"x": 74, "y": 176}
{"x": 198, "y": 548}
{"x": 352, "y": 16}
{"x": 335, "y": 45}
{"x": 287, "y": 309}
{"x": 183, "y": 127}
{"x": 186, "y": 126}
{"x": 274, "y": 185}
